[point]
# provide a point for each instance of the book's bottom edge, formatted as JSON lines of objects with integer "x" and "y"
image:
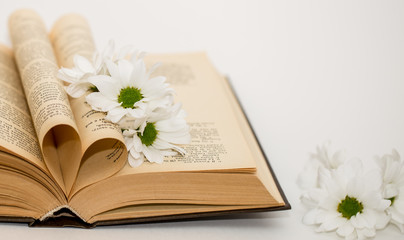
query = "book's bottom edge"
{"x": 64, "y": 221}
{"x": 191, "y": 216}
{"x": 9, "y": 219}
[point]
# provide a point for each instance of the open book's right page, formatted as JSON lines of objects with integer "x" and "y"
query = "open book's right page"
{"x": 218, "y": 142}
{"x": 222, "y": 139}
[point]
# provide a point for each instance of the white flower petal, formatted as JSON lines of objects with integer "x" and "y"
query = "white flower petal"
{"x": 399, "y": 203}
{"x": 395, "y": 215}
{"x": 308, "y": 178}
{"x": 179, "y": 150}
{"x": 354, "y": 188}
{"x": 99, "y": 103}
{"x": 358, "y": 221}
{"x": 69, "y": 75}
{"x": 365, "y": 233}
{"x": 136, "y": 113}
{"x": 125, "y": 52}
{"x": 153, "y": 155}
{"x": 135, "y": 162}
{"x": 154, "y": 67}
{"x": 160, "y": 144}
{"x": 306, "y": 199}
{"x": 128, "y": 140}
{"x": 390, "y": 190}
{"x": 345, "y": 229}
{"x": 352, "y": 236}
{"x": 77, "y": 90}
{"x": 116, "y": 114}
{"x": 172, "y": 125}
{"x": 381, "y": 221}
{"x": 400, "y": 225}
{"x": 108, "y": 51}
{"x": 83, "y": 64}
{"x": 138, "y": 145}
{"x": 154, "y": 85}
{"x": 113, "y": 69}
{"x": 128, "y": 122}
{"x": 338, "y": 158}
{"x": 374, "y": 179}
{"x": 125, "y": 73}
{"x": 139, "y": 74}
{"x": 107, "y": 86}
{"x": 310, "y": 217}
{"x": 331, "y": 224}
{"x": 176, "y": 138}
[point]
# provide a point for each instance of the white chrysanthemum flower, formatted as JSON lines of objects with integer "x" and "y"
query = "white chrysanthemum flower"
{"x": 392, "y": 169}
{"x": 323, "y": 158}
{"x": 77, "y": 77}
{"x": 128, "y": 91}
{"x": 348, "y": 202}
{"x": 157, "y": 136}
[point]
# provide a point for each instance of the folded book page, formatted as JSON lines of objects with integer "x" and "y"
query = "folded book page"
{"x": 48, "y": 103}
{"x": 104, "y": 152}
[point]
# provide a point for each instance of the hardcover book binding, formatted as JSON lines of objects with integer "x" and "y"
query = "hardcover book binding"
{"x": 74, "y": 171}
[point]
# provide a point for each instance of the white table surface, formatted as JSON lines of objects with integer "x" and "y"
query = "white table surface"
{"x": 305, "y": 71}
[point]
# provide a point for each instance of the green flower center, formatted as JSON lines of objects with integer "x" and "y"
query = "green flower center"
{"x": 392, "y": 200}
{"x": 149, "y": 134}
{"x": 129, "y": 96}
{"x": 93, "y": 89}
{"x": 350, "y": 207}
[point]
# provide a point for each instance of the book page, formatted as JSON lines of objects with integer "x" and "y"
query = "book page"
{"x": 48, "y": 103}
{"x": 263, "y": 171}
{"x": 104, "y": 151}
{"x": 224, "y": 168}
{"x": 17, "y": 133}
{"x": 27, "y": 187}
{"x": 218, "y": 143}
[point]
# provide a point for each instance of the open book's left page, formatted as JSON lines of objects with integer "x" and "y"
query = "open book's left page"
{"x": 17, "y": 133}
{"x": 78, "y": 146}
{"x": 26, "y": 188}
{"x": 48, "y": 103}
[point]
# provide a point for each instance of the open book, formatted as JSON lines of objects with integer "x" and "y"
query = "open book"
{"x": 62, "y": 164}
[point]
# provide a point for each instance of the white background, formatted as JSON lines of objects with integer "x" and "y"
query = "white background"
{"x": 305, "y": 71}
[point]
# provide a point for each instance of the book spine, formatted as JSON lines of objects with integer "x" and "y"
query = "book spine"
{"x": 62, "y": 216}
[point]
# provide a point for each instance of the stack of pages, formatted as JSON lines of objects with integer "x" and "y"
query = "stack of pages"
{"x": 62, "y": 164}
